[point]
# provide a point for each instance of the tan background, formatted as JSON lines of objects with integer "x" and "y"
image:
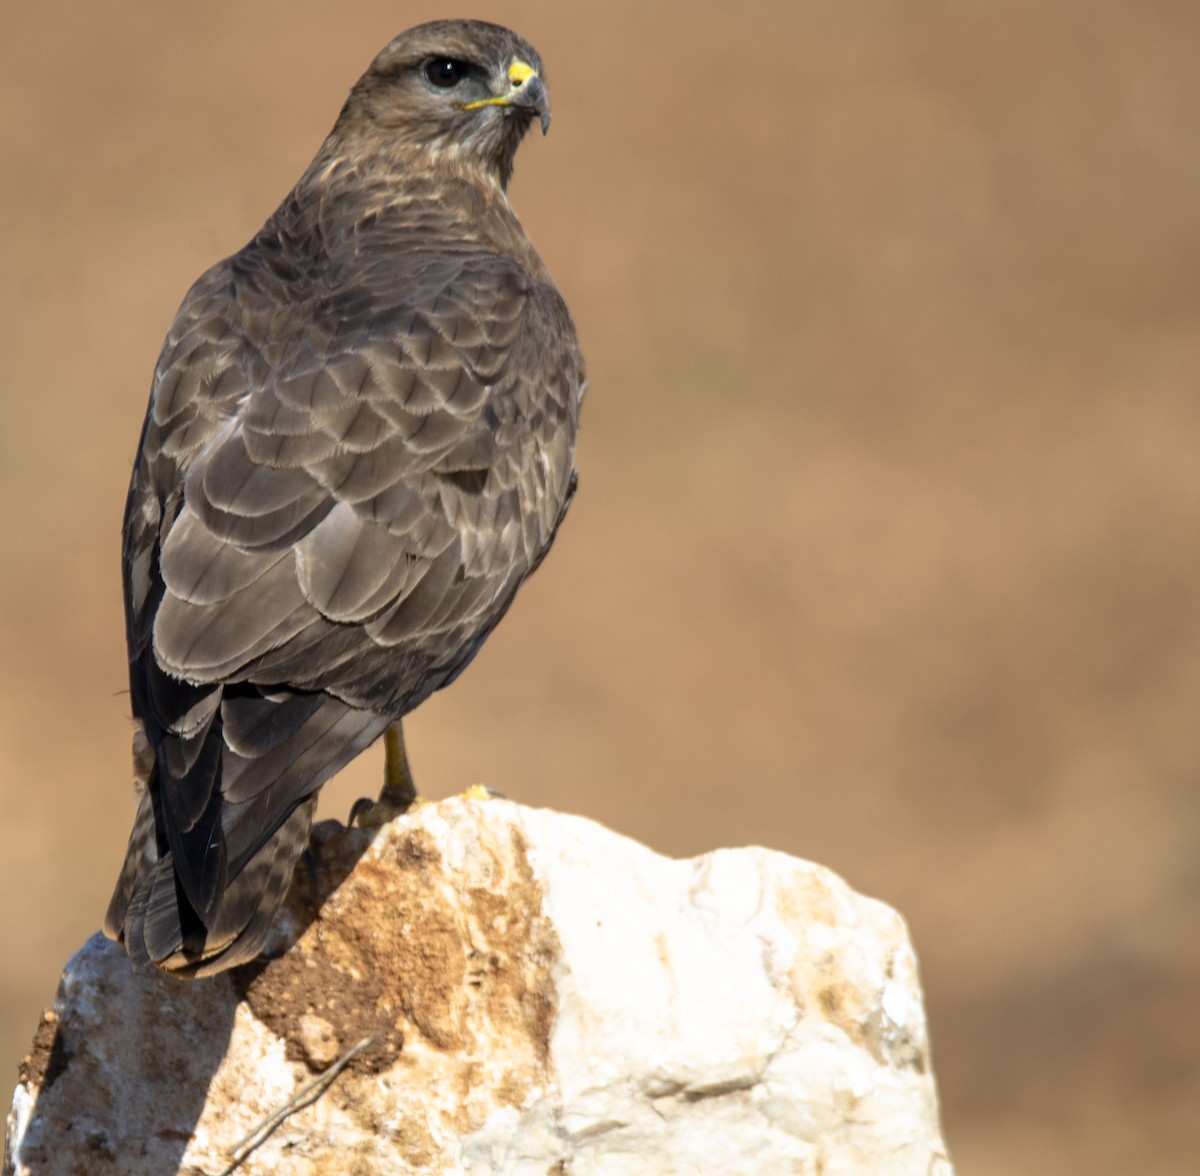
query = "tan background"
{"x": 887, "y": 546}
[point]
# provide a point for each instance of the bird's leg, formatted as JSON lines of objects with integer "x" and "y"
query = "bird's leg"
{"x": 399, "y": 792}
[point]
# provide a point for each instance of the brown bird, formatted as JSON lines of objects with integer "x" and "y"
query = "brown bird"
{"x": 359, "y": 444}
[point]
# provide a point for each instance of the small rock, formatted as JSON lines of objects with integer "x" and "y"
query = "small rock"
{"x": 318, "y": 1041}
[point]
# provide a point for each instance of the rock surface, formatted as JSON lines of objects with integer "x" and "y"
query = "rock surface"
{"x": 543, "y": 995}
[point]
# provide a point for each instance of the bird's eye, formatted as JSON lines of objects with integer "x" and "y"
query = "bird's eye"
{"x": 445, "y": 72}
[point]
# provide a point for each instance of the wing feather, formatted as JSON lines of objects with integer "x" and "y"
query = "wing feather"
{"x": 340, "y": 489}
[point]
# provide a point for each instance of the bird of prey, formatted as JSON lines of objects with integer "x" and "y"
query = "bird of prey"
{"x": 360, "y": 442}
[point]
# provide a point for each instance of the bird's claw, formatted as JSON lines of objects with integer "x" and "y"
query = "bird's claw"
{"x": 366, "y": 813}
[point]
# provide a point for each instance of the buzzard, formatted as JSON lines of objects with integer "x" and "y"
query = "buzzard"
{"x": 359, "y": 443}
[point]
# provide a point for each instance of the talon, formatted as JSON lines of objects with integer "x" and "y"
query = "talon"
{"x": 362, "y": 814}
{"x": 366, "y": 813}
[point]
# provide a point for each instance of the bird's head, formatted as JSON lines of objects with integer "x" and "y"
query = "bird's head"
{"x": 459, "y": 88}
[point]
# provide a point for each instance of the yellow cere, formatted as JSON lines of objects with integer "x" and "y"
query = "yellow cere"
{"x": 518, "y": 74}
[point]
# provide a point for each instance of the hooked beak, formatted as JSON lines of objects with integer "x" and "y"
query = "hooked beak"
{"x": 533, "y": 96}
{"x": 527, "y": 92}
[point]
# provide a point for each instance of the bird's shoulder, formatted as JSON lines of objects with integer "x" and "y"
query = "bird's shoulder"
{"x": 333, "y": 425}
{"x": 415, "y": 313}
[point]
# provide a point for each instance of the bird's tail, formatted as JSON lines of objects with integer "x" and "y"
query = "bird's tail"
{"x": 214, "y": 846}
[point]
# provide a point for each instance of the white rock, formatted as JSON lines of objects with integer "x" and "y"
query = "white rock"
{"x": 548, "y": 997}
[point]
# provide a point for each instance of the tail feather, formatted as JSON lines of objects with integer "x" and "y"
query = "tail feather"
{"x": 140, "y": 856}
{"x": 200, "y": 899}
{"x": 162, "y": 931}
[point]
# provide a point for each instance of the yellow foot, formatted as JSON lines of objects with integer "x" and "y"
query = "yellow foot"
{"x": 399, "y": 792}
{"x": 366, "y": 813}
{"x": 483, "y": 792}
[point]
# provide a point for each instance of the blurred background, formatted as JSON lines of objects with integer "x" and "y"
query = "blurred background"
{"x": 888, "y": 537}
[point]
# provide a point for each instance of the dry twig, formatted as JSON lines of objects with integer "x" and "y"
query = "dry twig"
{"x": 305, "y": 1096}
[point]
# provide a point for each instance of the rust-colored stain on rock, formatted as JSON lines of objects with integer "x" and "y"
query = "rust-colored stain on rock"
{"x": 404, "y": 951}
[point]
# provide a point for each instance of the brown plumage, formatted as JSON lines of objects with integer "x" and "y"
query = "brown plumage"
{"x": 359, "y": 443}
